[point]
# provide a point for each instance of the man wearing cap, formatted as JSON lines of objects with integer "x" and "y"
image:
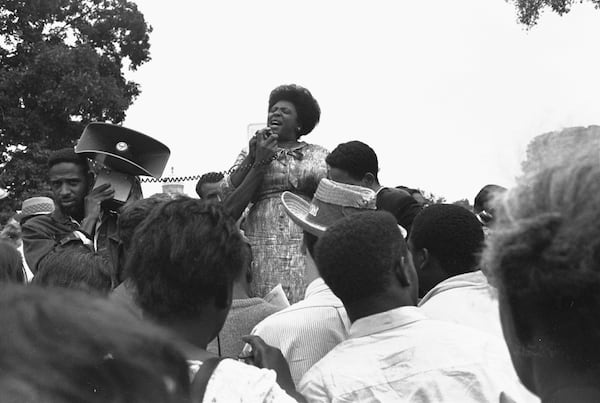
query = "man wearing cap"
{"x": 356, "y": 163}
{"x": 78, "y": 215}
{"x": 307, "y": 330}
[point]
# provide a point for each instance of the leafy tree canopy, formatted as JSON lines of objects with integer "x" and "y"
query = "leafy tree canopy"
{"x": 528, "y": 11}
{"x": 62, "y": 66}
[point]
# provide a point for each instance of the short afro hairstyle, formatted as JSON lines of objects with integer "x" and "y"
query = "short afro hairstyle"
{"x": 452, "y": 234}
{"x": 133, "y": 214}
{"x": 354, "y": 157}
{"x": 67, "y": 155}
{"x": 76, "y": 267}
{"x": 306, "y": 105}
{"x": 186, "y": 253}
{"x": 356, "y": 256}
{"x": 210, "y": 177}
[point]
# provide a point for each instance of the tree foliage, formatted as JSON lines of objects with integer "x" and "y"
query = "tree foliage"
{"x": 62, "y": 66}
{"x": 528, "y": 11}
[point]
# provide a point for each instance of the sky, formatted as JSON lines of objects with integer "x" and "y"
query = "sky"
{"x": 447, "y": 93}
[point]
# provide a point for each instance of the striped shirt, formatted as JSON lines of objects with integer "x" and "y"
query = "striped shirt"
{"x": 306, "y": 330}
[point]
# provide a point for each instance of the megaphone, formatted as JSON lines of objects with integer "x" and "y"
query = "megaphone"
{"x": 121, "y": 154}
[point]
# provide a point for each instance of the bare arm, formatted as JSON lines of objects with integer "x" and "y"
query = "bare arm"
{"x": 237, "y": 201}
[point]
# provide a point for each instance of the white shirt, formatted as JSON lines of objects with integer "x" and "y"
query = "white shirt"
{"x": 469, "y": 300}
{"x": 466, "y": 299}
{"x": 233, "y": 381}
{"x": 401, "y": 355}
{"x": 306, "y": 330}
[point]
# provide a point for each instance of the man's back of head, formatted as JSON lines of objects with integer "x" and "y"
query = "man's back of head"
{"x": 445, "y": 241}
{"x": 184, "y": 257}
{"x": 364, "y": 260}
{"x": 354, "y": 163}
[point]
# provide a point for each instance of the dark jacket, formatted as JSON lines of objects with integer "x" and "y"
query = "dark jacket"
{"x": 43, "y": 234}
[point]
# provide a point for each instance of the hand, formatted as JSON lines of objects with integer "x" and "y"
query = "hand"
{"x": 252, "y": 146}
{"x": 266, "y": 145}
{"x": 95, "y": 198}
{"x": 265, "y": 356}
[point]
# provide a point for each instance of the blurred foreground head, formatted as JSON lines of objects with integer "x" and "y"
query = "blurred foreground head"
{"x": 63, "y": 346}
{"x": 544, "y": 255}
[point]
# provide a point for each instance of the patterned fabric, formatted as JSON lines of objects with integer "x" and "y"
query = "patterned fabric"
{"x": 275, "y": 239}
{"x": 402, "y": 356}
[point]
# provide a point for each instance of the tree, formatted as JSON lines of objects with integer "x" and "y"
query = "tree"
{"x": 528, "y": 11}
{"x": 61, "y": 66}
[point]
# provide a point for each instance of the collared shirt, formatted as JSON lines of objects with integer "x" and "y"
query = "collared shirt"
{"x": 466, "y": 299}
{"x": 306, "y": 330}
{"x": 401, "y": 355}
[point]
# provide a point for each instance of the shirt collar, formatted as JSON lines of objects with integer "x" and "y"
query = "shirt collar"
{"x": 316, "y": 286}
{"x": 471, "y": 279}
{"x": 387, "y": 320}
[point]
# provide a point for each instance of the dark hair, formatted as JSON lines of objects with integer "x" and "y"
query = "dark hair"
{"x": 310, "y": 241}
{"x": 452, "y": 234}
{"x": 133, "y": 214}
{"x": 354, "y": 157}
{"x": 210, "y": 177}
{"x": 62, "y": 346}
{"x": 356, "y": 255}
{"x": 485, "y": 196}
{"x": 307, "y": 107}
{"x": 186, "y": 252}
{"x": 544, "y": 256}
{"x": 74, "y": 266}
{"x": 67, "y": 155}
{"x": 11, "y": 264}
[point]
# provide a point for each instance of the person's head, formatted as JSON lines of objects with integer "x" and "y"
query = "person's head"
{"x": 415, "y": 193}
{"x": 364, "y": 258}
{"x": 483, "y": 204}
{"x": 209, "y": 186}
{"x": 70, "y": 180}
{"x": 62, "y": 346}
{"x": 293, "y": 112}
{"x": 243, "y": 278}
{"x": 544, "y": 255}
{"x": 129, "y": 218}
{"x": 445, "y": 241}
{"x": 354, "y": 163}
{"x": 11, "y": 264}
{"x": 184, "y": 258}
{"x": 11, "y": 233}
{"x": 74, "y": 266}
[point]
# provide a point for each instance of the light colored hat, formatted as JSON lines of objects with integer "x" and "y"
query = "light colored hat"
{"x": 35, "y": 206}
{"x": 332, "y": 201}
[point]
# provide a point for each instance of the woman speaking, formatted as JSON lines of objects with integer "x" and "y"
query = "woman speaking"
{"x": 297, "y": 167}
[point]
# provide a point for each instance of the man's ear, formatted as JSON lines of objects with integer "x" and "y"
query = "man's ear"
{"x": 91, "y": 178}
{"x": 368, "y": 180}
{"x": 421, "y": 259}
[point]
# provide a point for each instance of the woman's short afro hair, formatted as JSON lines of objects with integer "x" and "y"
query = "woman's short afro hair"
{"x": 306, "y": 105}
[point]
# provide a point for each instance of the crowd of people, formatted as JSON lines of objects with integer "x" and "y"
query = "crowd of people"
{"x": 297, "y": 276}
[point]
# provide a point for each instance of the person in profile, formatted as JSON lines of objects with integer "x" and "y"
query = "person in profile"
{"x": 544, "y": 256}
